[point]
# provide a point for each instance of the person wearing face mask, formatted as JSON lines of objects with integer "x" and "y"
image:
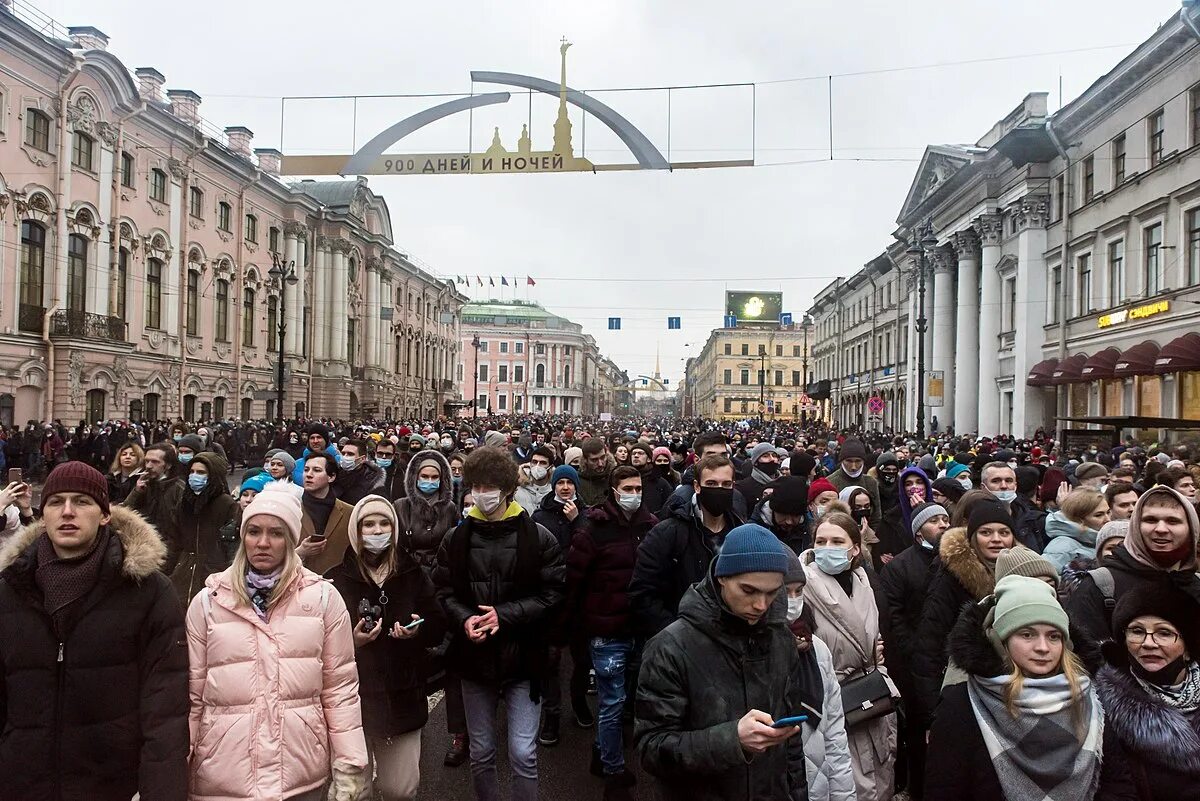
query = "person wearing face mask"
{"x": 393, "y": 472}
{"x": 446, "y": 444}
{"x": 821, "y": 494}
{"x": 784, "y": 512}
{"x": 905, "y": 583}
{"x": 677, "y": 551}
{"x": 662, "y": 463}
{"x": 427, "y": 511}
{"x": 196, "y": 550}
{"x": 858, "y": 501}
{"x": 499, "y": 576}
{"x": 391, "y": 655}
{"x": 851, "y": 471}
{"x": 360, "y": 476}
{"x": 764, "y": 471}
{"x": 846, "y": 612}
{"x": 964, "y": 572}
{"x": 533, "y": 483}
{"x": 887, "y": 469}
{"x": 655, "y": 489}
{"x": 187, "y": 448}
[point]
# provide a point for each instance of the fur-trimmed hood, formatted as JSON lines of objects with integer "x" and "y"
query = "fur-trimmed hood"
{"x": 963, "y": 562}
{"x": 1145, "y": 726}
{"x": 144, "y": 551}
{"x": 445, "y": 490}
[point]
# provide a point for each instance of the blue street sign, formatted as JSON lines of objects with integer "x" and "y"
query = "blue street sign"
{"x": 672, "y": 323}
{"x": 731, "y": 321}
{"x": 785, "y": 318}
{"x": 614, "y": 323}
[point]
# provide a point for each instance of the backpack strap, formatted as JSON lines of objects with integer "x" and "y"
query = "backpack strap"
{"x": 1103, "y": 578}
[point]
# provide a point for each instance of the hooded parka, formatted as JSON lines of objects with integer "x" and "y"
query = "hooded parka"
{"x": 425, "y": 519}
{"x": 205, "y": 542}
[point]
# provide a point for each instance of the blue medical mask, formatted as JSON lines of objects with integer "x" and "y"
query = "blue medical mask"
{"x": 384, "y": 463}
{"x": 184, "y": 458}
{"x": 1005, "y": 496}
{"x": 197, "y": 482}
{"x": 428, "y": 487}
{"x": 347, "y": 462}
{"x": 832, "y": 561}
{"x": 456, "y": 480}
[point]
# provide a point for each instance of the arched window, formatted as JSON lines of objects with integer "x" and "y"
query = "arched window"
{"x": 218, "y": 408}
{"x": 193, "y": 302}
{"x": 95, "y": 405}
{"x": 154, "y": 275}
{"x": 33, "y": 262}
{"x": 122, "y": 282}
{"x": 150, "y": 406}
{"x": 77, "y": 255}
{"x": 272, "y": 324}
{"x": 247, "y": 407}
{"x": 206, "y": 411}
{"x": 248, "y": 318}
{"x": 566, "y": 375}
{"x": 539, "y": 374}
{"x": 222, "y": 301}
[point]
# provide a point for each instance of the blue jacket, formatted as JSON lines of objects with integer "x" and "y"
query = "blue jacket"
{"x": 298, "y": 473}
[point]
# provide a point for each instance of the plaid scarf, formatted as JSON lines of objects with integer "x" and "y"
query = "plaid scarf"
{"x": 260, "y": 586}
{"x": 1038, "y": 755}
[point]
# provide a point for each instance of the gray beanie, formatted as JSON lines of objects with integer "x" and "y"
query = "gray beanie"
{"x": 283, "y": 456}
{"x": 1113, "y": 528}
{"x": 795, "y": 573}
{"x": 759, "y": 450}
{"x": 923, "y": 513}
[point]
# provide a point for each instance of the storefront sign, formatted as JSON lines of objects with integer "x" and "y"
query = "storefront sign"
{"x": 935, "y": 394}
{"x": 1135, "y": 313}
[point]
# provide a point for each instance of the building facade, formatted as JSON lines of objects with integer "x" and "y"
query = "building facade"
{"x": 1062, "y": 276}
{"x": 136, "y": 249}
{"x": 519, "y": 358}
{"x": 743, "y": 372}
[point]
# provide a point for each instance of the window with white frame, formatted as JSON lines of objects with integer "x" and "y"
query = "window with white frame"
{"x": 1116, "y": 272}
{"x": 1193, "y": 257}
{"x": 1083, "y": 284}
{"x": 1152, "y": 278}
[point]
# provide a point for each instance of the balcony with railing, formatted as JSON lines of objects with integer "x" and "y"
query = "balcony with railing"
{"x": 85, "y": 325}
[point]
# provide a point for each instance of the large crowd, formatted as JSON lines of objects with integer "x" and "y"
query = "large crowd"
{"x": 741, "y": 611}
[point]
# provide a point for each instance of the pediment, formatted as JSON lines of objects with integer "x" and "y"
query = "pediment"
{"x": 937, "y": 166}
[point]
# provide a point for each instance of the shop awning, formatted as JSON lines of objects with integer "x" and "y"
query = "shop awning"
{"x": 1138, "y": 360}
{"x": 1180, "y": 355}
{"x": 1069, "y": 369}
{"x": 1101, "y": 365}
{"x": 1042, "y": 374}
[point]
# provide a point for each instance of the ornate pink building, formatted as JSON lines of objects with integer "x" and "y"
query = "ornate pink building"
{"x": 135, "y": 254}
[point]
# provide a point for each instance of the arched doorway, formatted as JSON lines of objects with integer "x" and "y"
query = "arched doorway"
{"x": 135, "y": 410}
{"x": 95, "y": 405}
{"x": 353, "y": 403}
{"x": 7, "y": 405}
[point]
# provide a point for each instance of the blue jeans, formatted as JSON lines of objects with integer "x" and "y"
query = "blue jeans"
{"x": 609, "y": 659}
{"x": 480, "y": 702}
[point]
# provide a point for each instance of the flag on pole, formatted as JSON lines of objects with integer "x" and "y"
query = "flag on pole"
{"x": 530, "y": 281}
{"x": 479, "y": 280}
{"x": 672, "y": 323}
{"x": 491, "y": 281}
{"x": 503, "y": 281}
{"x": 614, "y": 323}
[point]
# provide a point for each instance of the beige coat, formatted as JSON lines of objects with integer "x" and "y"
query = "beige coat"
{"x": 850, "y": 627}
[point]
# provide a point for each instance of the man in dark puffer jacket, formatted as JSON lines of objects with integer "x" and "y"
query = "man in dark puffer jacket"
{"x": 94, "y": 693}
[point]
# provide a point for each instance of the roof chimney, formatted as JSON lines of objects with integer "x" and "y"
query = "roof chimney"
{"x": 85, "y": 37}
{"x": 185, "y": 104}
{"x": 239, "y": 139}
{"x": 150, "y": 83}
{"x": 269, "y": 160}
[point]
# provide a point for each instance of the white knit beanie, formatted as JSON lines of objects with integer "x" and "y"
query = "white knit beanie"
{"x": 277, "y": 502}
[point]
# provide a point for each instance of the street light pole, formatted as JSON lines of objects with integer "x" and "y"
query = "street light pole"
{"x": 805, "y": 324}
{"x": 923, "y": 239}
{"x": 284, "y": 272}
{"x": 475, "y": 343}
{"x": 762, "y": 386}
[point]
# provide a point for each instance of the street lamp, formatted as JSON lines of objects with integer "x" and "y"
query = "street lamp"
{"x": 284, "y": 274}
{"x": 476, "y": 344}
{"x": 805, "y": 325}
{"x": 762, "y": 379}
{"x": 923, "y": 241}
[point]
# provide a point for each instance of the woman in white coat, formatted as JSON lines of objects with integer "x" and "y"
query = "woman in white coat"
{"x": 826, "y": 751}
{"x": 847, "y": 620}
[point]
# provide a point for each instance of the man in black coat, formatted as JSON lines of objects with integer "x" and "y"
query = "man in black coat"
{"x": 393, "y": 472}
{"x": 714, "y": 682}
{"x": 360, "y": 476}
{"x": 94, "y": 695}
{"x": 763, "y": 473}
{"x": 676, "y": 552}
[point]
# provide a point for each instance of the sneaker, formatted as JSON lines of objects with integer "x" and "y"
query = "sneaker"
{"x": 584, "y": 718}
{"x": 456, "y": 754}
{"x": 548, "y": 736}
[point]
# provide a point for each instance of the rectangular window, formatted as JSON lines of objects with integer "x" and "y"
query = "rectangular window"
{"x": 248, "y": 318}
{"x": 728, "y": 377}
{"x": 1194, "y": 102}
{"x": 273, "y": 241}
{"x": 795, "y": 378}
{"x": 1153, "y": 254}
{"x": 539, "y": 349}
{"x": 154, "y": 293}
{"x": 1118, "y": 160}
{"x": 566, "y": 350}
{"x": 745, "y": 376}
{"x": 519, "y": 373}
{"x": 127, "y": 169}
{"x": 158, "y": 185}
{"x": 745, "y": 350}
{"x": 82, "y": 150}
{"x": 122, "y": 281}
{"x": 779, "y": 378}
{"x": 77, "y": 273}
{"x": 502, "y": 401}
{"x": 728, "y": 405}
{"x": 1083, "y": 284}
{"x": 481, "y": 402}
{"x": 1010, "y": 304}
{"x": 1116, "y": 273}
{"x": 224, "y": 217}
{"x": 483, "y": 373}
{"x": 1052, "y": 303}
{"x": 1156, "y": 124}
{"x": 37, "y": 129}
{"x": 1193, "y": 231}
{"x": 728, "y": 348}
{"x": 520, "y": 347}
{"x": 193, "y": 302}
{"x": 1089, "y": 179}
{"x": 1060, "y": 196}
{"x": 273, "y": 324}
{"x": 779, "y": 350}
{"x": 222, "y": 301}
{"x": 251, "y": 228}
{"x": 502, "y": 374}
{"x": 196, "y": 202}
{"x": 796, "y": 350}
{"x": 504, "y": 347}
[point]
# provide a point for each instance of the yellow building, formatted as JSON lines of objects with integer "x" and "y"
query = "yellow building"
{"x": 744, "y": 372}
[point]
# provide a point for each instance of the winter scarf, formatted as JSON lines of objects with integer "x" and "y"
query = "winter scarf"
{"x": 65, "y": 581}
{"x": 1037, "y": 755}
{"x": 318, "y": 510}
{"x": 1185, "y": 697}
{"x": 761, "y": 477}
{"x": 259, "y": 587}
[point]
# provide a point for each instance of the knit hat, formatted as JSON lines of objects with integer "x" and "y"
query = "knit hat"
{"x": 495, "y": 438}
{"x": 803, "y": 463}
{"x": 795, "y": 572}
{"x": 928, "y": 465}
{"x": 372, "y": 504}
{"x": 1113, "y": 528}
{"x": 955, "y": 470}
{"x": 1090, "y": 470}
{"x": 571, "y": 454}
{"x": 886, "y": 458}
{"x": 1162, "y": 599}
{"x": 1048, "y": 490}
{"x": 417, "y": 438}
{"x": 989, "y": 512}
{"x": 1021, "y": 601}
{"x": 852, "y": 449}
{"x": 922, "y": 513}
{"x": 760, "y": 450}
{"x": 77, "y": 477}
{"x": 567, "y": 472}
{"x": 192, "y": 442}
{"x": 660, "y": 451}
{"x": 819, "y": 486}
{"x": 284, "y": 457}
{"x": 1021, "y": 561}
{"x": 255, "y": 482}
{"x": 790, "y": 495}
{"x": 276, "y": 501}
{"x": 751, "y": 548}
{"x": 950, "y": 488}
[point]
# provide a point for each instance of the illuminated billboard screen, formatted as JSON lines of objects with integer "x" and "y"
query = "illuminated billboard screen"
{"x": 761, "y": 308}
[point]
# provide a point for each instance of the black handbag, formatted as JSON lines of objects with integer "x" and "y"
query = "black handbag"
{"x": 866, "y": 697}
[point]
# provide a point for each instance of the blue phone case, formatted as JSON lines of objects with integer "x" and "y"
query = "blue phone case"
{"x": 783, "y": 723}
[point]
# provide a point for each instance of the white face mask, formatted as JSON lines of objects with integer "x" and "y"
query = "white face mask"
{"x": 487, "y": 502}
{"x": 795, "y": 607}
{"x": 629, "y": 502}
{"x": 1005, "y": 496}
{"x": 966, "y": 483}
{"x": 376, "y": 543}
{"x": 853, "y": 473}
{"x": 538, "y": 472}
{"x": 821, "y": 511}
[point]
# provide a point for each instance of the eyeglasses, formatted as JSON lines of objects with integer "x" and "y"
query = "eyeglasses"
{"x": 1136, "y": 635}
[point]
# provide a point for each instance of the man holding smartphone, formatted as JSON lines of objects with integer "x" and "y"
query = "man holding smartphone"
{"x": 714, "y": 683}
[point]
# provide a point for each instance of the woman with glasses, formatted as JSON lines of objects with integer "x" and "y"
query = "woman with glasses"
{"x": 1150, "y": 690}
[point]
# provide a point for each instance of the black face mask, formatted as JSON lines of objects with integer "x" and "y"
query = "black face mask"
{"x": 860, "y": 515}
{"x": 770, "y": 468}
{"x": 888, "y": 478}
{"x": 1163, "y": 677}
{"x": 716, "y": 500}
{"x": 664, "y": 469}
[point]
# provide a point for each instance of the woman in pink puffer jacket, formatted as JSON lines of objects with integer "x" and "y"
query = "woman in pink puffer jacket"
{"x": 274, "y": 688}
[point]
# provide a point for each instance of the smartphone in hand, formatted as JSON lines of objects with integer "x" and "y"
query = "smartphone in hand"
{"x": 787, "y": 723}
{"x": 16, "y": 475}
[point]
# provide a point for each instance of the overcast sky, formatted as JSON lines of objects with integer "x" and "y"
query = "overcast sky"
{"x": 683, "y": 237}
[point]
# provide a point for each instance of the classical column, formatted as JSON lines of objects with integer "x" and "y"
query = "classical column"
{"x": 371, "y": 326}
{"x": 942, "y": 331}
{"x": 910, "y": 362}
{"x": 387, "y": 298}
{"x": 1029, "y": 410}
{"x": 322, "y": 265}
{"x": 340, "y": 308}
{"x": 990, "y": 228}
{"x": 967, "y": 355}
{"x": 289, "y": 299}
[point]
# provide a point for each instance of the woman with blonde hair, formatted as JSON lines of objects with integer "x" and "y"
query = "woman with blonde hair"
{"x": 273, "y": 684}
{"x": 1073, "y": 529}
{"x": 121, "y": 478}
{"x": 1026, "y": 724}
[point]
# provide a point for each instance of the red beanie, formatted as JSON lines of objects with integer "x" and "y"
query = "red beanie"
{"x": 77, "y": 477}
{"x": 819, "y": 486}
